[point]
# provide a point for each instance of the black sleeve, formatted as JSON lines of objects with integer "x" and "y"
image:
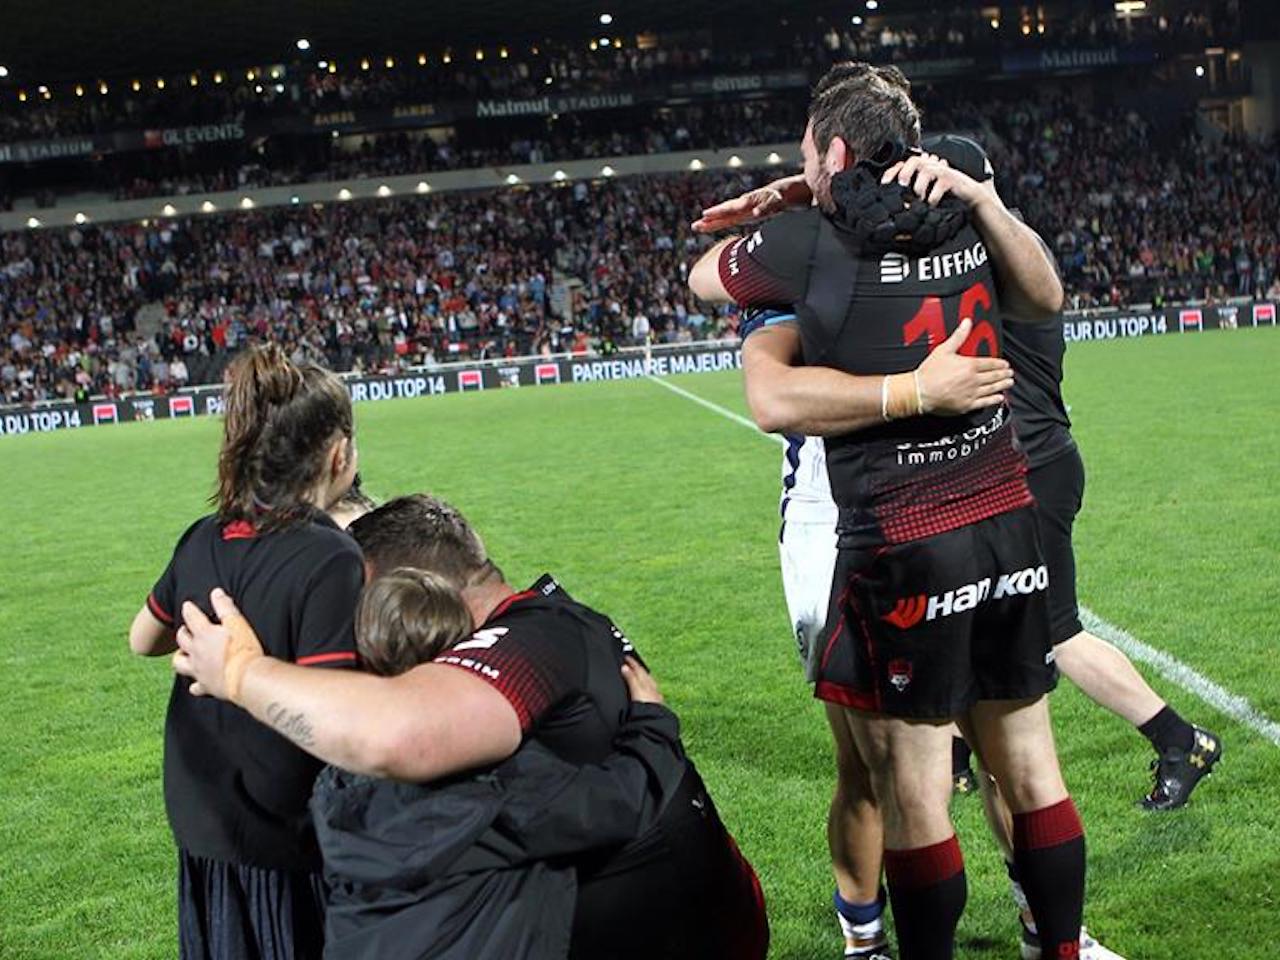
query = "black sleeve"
{"x": 326, "y": 627}
{"x": 162, "y": 601}
{"x": 605, "y": 803}
{"x": 770, "y": 266}
{"x": 527, "y": 660}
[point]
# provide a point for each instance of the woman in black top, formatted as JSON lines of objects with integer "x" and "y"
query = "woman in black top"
{"x": 236, "y": 791}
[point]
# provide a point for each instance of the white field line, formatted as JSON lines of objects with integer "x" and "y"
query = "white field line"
{"x": 1168, "y": 666}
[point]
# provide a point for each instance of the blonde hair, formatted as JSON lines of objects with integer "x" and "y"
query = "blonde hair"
{"x": 407, "y": 617}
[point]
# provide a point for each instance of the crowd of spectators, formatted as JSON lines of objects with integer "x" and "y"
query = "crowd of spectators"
{"x": 1136, "y": 211}
{"x": 533, "y": 69}
{"x": 708, "y": 125}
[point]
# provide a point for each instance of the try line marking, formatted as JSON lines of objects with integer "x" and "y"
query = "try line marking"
{"x": 1168, "y": 666}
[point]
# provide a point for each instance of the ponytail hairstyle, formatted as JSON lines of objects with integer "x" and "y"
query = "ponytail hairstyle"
{"x": 280, "y": 419}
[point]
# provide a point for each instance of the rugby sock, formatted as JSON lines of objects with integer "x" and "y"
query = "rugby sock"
{"x": 960, "y": 754}
{"x": 1167, "y": 730}
{"x": 928, "y": 890}
{"x": 1048, "y": 854}
{"x": 1019, "y": 895}
{"x": 861, "y": 923}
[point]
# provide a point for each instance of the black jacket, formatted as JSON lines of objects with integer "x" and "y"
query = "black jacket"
{"x": 476, "y": 867}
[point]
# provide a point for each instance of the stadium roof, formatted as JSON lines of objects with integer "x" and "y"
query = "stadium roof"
{"x": 58, "y": 40}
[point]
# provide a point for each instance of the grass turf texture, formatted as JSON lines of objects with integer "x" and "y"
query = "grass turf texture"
{"x": 664, "y": 515}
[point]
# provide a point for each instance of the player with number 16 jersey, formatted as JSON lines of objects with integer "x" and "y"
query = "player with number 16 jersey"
{"x": 937, "y": 541}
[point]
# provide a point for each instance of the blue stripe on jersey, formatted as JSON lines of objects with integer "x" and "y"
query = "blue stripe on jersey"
{"x": 755, "y": 318}
{"x": 792, "y": 456}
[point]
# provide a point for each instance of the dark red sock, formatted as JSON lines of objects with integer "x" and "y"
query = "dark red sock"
{"x": 1048, "y": 850}
{"x": 927, "y": 889}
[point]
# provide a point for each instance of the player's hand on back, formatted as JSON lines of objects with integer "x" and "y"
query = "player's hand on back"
{"x": 640, "y": 682}
{"x": 759, "y": 204}
{"x": 952, "y": 383}
{"x": 932, "y": 178}
{"x": 215, "y": 655}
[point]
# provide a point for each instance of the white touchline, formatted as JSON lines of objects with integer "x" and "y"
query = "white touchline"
{"x": 1169, "y": 667}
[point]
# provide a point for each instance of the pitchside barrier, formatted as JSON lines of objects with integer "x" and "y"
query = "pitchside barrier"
{"x": 629, "y": 363}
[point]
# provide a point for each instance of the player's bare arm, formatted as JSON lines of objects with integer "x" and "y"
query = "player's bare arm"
{"x": 1029, "y": 284}
{"x": 149, "y": 636}
{"x": 430, "y": 722}
{"x": 782, "y": 194}
{"x": 704, "y": 276}
{"x": 786, "y": 397}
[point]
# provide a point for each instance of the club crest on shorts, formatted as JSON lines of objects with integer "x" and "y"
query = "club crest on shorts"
{"x": 900, "y": 674}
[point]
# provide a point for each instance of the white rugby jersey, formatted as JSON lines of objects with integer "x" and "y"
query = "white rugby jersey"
{"x": 806, "y": 488}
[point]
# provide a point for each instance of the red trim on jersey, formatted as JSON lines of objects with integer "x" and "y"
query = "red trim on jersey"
{"x": 239, "y": 530}
{"x": 505, "y": 687}
{"x": 838, "y": 693}
{"x": 502, "y": 608}
{"x": 340, "y": 656}
{"x": 158, "y": 611}
{"x": 746, "y": 280}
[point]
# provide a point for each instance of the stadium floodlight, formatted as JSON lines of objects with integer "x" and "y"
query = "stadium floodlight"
{"x": 195, "y": 80}
{"x": 872, "y": 4}
{"x": 246, "y": 203}
{"x": 384, "y": 191}
{"x": 512, "y": 179}
{"x": 594, "y": 45}
{"x": 390, "y": 62}
{"x": 364, "y": 63}
{"x": 279, "y": 88}
{"x": 606, "y": 171}
{"x": 4, "y": 71}
{"x": 217, "y": 77}
{"x": 136, "y": 85}
{"x": 422, "y": 59}
{"x": 448, "y": 56}
{"x": 735, "y": 161}
{"x": 22, "y": 96}
{"x": 159, "y": 83}
{"x": 503, "y": 52}
{"x": 995, "y": 23}
{"x": 32, "y": 222}
{"x": 169, "y": 210}
{"x": 606, "y": 19}
{"x": 257, "y": 88}
{"x": 333, "y": 134}
{"x": 79, "y": 90}
{"x": 333, "y": 68}
{"x": 856, "y": 20}
{"x": 102, "y": 88}
{"x": 1130, "y": 6}
{"x": 277, "y": 73}
{"x": 207, "y": 207}
{"x": 304, "y": 43}
{"x": 323, "y": 65}
{"x": 605, "y": 41}
{"x": 695, "y": 164}
{"x": 548, "y": 81}
{"x": 423, "y": 187}
{"x": 1199, "y": 70}
{"x": 81, "y": 219}
{"x": 479, "y": 54}
{"x": 295, "y": 199}
{"x": 559, "y": 175}
{"x": 344, "y": 194}
{"x": 773, "y": 157}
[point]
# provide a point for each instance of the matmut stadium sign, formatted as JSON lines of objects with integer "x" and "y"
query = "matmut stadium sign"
{"x": 526, "y": 372}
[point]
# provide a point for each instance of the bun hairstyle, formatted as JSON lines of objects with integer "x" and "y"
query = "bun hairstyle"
{"x": 280, "y": 419}
{"x": 407, "y": 617}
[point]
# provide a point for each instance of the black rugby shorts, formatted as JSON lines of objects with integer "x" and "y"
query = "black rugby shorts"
{"x": 926, "y": 629}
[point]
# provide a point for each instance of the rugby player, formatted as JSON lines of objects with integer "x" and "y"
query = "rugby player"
{"x": 249, "y": 884}
{"x": 938, "y": 606}
{"x": 539, "y": 666}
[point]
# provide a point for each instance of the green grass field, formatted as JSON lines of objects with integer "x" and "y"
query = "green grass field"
{"x": 662, "y": 514}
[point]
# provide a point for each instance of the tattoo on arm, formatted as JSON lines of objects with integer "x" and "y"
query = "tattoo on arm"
{"x": 295, "y": 726}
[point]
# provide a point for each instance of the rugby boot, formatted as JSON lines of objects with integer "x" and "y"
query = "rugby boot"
{"x": 1178, "y": 771}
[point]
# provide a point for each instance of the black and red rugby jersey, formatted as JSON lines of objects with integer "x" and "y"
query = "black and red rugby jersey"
{"x": 881, "y": 314}
{"x": 558, "y": 663}
{"x": 236, "y": 790}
